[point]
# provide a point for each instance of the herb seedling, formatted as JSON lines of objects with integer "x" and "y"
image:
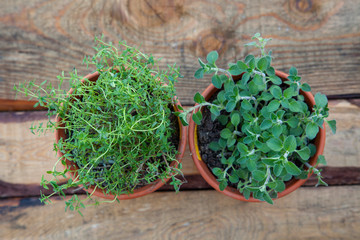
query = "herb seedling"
{"x": 268, "y": 127}
{"x": 118, "y": 128}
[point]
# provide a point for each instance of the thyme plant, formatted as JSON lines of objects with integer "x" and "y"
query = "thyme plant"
{"x": 118, "y": 128}
{"x": 268, "y": 127}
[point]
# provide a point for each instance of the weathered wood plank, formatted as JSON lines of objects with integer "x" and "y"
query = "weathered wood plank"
{"x": 39, "y": 39}
{"x": 305, "y": 214}
{"x": 333, "y": 176}
{"x": 24, "y": 157}
{"x": 18, "y": 105}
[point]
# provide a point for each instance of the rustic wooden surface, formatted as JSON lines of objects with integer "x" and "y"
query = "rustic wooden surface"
{"x": 24, "y": 157}
{"x": 304, "y": 214}
{"x": 41, "y": 38}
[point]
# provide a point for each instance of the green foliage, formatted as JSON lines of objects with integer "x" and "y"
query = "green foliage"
{"x": 118, "y": 129}
{"x": 266, "y": 141}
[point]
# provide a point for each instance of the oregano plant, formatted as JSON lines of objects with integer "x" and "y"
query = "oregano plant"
{"x": 268, "y": 129}
{"x": 119, "y": 129}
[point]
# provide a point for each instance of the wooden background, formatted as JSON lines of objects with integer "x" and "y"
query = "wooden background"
{"x": 41, "y": 38}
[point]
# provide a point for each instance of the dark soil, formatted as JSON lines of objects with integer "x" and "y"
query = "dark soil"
{"x": 208, "y": 132}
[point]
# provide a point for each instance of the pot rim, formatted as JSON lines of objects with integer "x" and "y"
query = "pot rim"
{"x": 149, "y": 188}
{"x": 205, "y": 172}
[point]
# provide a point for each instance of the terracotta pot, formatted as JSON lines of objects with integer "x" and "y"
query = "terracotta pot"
{"x": 60, "y": 133}
{"x": 206, "y": 173}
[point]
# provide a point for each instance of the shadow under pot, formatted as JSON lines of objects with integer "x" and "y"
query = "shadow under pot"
{"x": 138, "y": 192}
{"x": 210, "y": 178}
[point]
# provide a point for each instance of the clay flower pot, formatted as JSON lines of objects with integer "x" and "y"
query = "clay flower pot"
{"x": 206, "y": 173}
{"x": 60, "y": 133}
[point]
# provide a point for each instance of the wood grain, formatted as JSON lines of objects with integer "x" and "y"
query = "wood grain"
{"x": 333, "y": 176}
{"x": 18, "y": 105}
{"x": 307, "y": 213}
{"x": 24, "y": 157}
{"x": 41, "y": 38}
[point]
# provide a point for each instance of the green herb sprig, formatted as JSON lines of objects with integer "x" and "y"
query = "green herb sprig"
{"x": 118, "y": 129}
{"x": 268, "y": 127}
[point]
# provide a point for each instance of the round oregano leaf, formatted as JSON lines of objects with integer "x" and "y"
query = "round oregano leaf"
{"x": 266, "y": 96}
{"x": 258, "y": 79}
{"x": 274, "y": 144}
{"x": 198, "y": 98}
{"x": 270, "y": 161}
{"x": 278, "y": 169}
{"x": 253, "y": 87}
{"x": 321, "y": 100}
{"x": 267, "y": 198}
{"x": 202, "y": 64}
{"x": 230, "y": 106}
{"x": 273, "y": 105}
{"x": 234, "y": 70}
{"x": 225, "y": 133}
{"x": 242, "y": 66}
{"x": 290, "y": 143}
{"x": 248, "y": 58}
{"x": 292, "y": 168}
{"x": 212, "y": 57}
{"x": 276, "y": 130}
{"x": 252, "y": 63}
{"x": 199, "y": 73}
{"x": 223, "y": 184}
{"x": 235, "y": 119}
{"x": 214, "y": 110}
{"x": 214, "y": 146}
{"x": 234, "y": 178}
{"x": 293, "y": 122}
{"x": 251, "y": 164}
{"x": 304, "y": 153}
{"x": 332, "y": 125}
{"x": 183, "y": 119}
{"x": 242, "y": 148}
{"x": 276, "y": 92}
{"x": 217, "y": 171}
{"x": 305, "y": 87}
{"x": 216, "y": 81}
{"x": 245, "y": 104}
{"x": 231, "y": 160}
{"x": 289, "y": 93}
{"x": 197, "y": 117}
{"x": 266, "y": 124}
{"x": 221, "y": 97}
{"x": 270, "y": 71}
{"x": 258, "y": 175}
{"x": 275, "y": 80}
{"x": 245, "y": 78}
{"x": 293, "y": 71}
{"x": 246, "y": 193}
{"x": 271, "y": 185}
{"x": 262, "y": 64}
{"x": 280, "y": 186}
{"x": 321, "y": 160}
{"x": 294, "y": 106}
{"x": 230, "y": 142}
{"x": 311, "y": 130}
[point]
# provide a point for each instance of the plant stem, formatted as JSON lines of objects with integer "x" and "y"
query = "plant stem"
{"x": 223, "y": 71}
